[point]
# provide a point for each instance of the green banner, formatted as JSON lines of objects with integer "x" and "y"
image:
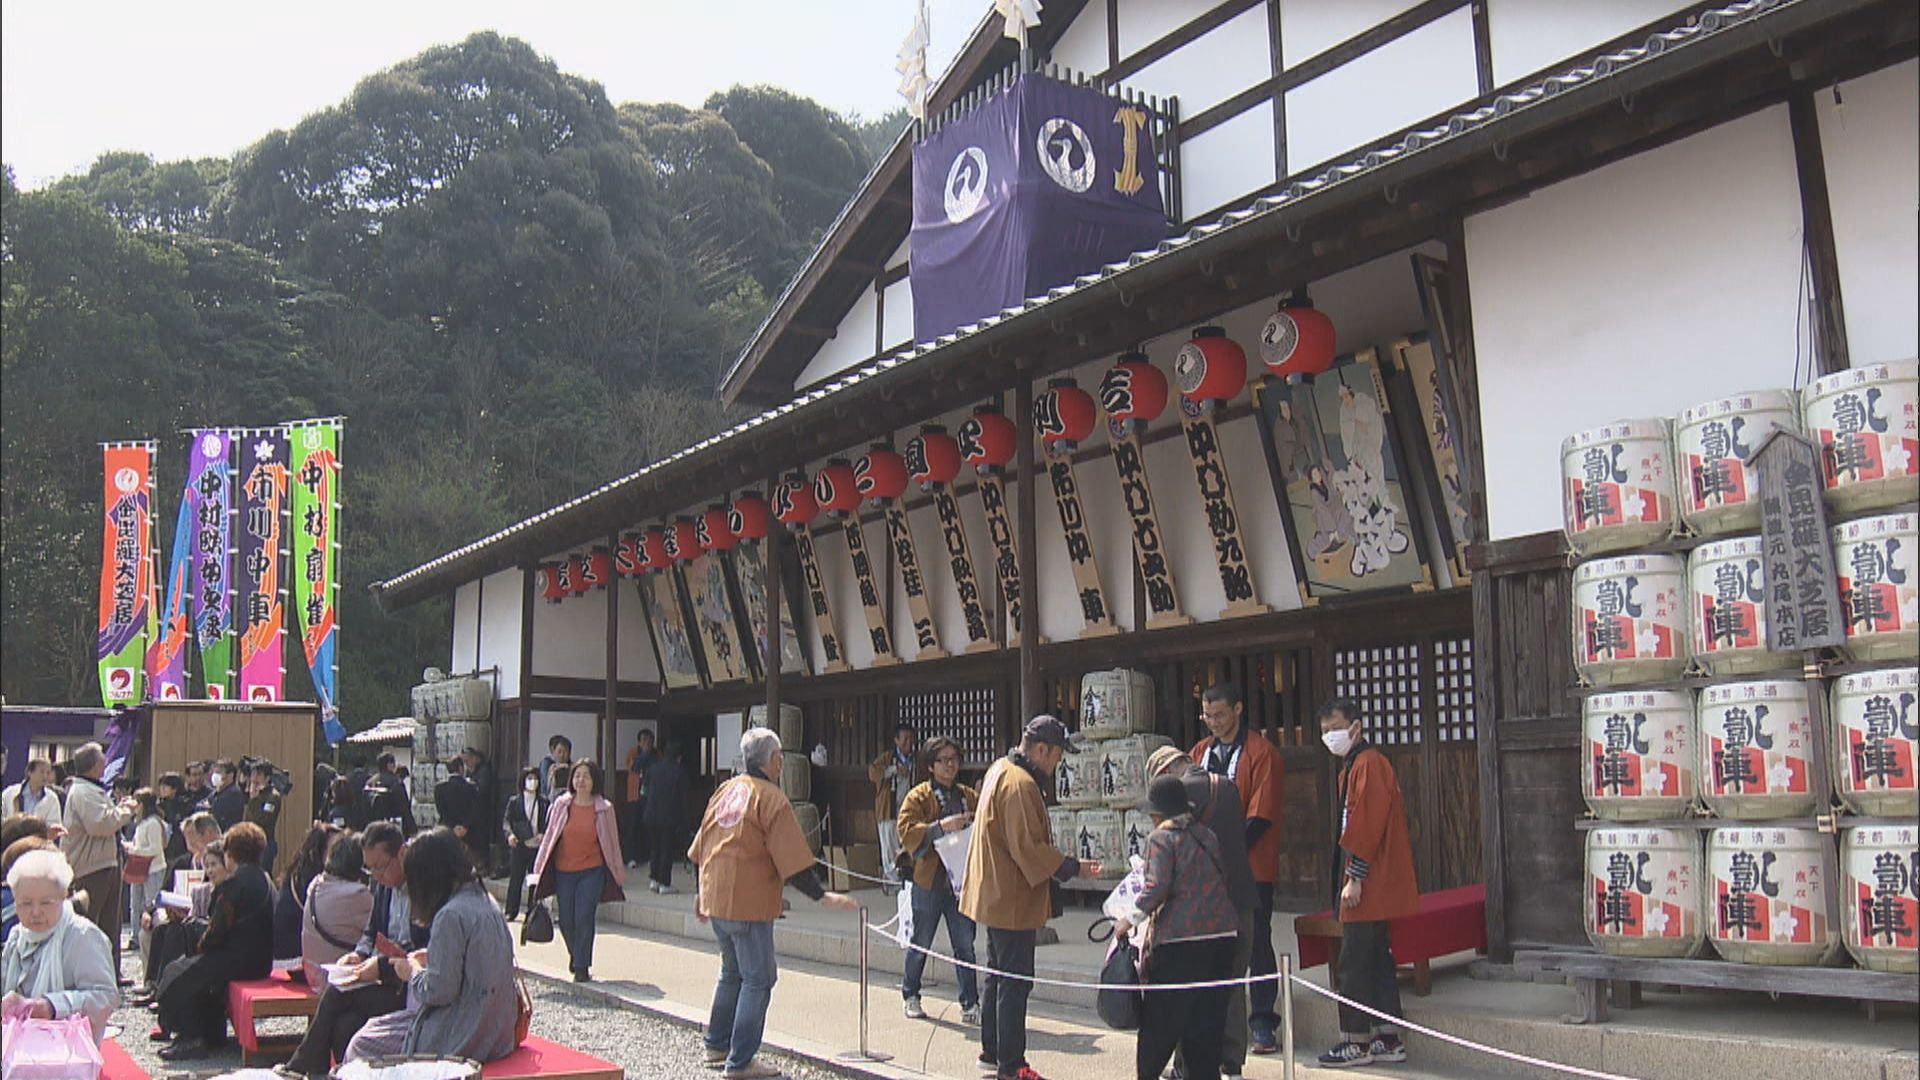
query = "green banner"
{"x": 316, "y": 558}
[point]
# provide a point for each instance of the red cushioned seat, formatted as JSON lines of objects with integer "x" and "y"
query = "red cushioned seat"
{"x": 117, "y": 1065}
{"x": 538, "y": 1057}
{"x": 1446, "y": 922}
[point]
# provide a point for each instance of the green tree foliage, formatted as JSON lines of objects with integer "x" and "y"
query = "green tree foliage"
{"x": 511, "y": 288}
{"x": 878, "y": 134}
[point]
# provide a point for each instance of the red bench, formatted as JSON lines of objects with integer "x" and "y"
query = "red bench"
{"x": 116, "y": 1065}
{"x": 538, "y": 1057}
{"x": 255, "y": 999}
{"x": 1446, "y": 922}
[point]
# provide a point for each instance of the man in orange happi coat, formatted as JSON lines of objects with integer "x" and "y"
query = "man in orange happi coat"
{"x": 1254, "y": 766}
{"x": 1376, "y": 887}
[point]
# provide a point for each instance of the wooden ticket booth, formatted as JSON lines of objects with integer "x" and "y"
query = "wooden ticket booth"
{"x": 283, "y": 732}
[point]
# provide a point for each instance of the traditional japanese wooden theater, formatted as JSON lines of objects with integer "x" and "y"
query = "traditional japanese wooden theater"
{"x": 1234, "y": 341}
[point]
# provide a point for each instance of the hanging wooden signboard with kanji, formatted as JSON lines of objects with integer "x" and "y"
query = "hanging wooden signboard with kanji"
{"x": 1133, "y": 393}
{"x": 966, "y": 581}
{"x": 864, "y": 577}
{"x": 1212, "y": 369}
{"x": 1063, "y": 416}
{"x": 817, "y": 600}
{"x": 913, "y": 581}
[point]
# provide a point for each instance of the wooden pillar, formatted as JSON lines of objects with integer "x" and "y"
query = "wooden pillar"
{"x": 770, "y": 659}
{"x": 1031, "y": 704}
{"x": 610, "y": 730}
{"x": 528, "y": 574}
{"x": 1830, "y": 352}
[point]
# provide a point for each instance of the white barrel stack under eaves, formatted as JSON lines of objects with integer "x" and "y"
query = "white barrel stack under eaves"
{"x": 1713, "y": 444}
{"x": 1774, "y": 895}
{"x": 1757, "y": 746}
{"x": 1630, "y": 620}
{"x": 1727, "y": 583}
{"x": 1878, "y": 563}
{"x": 1617, "y": 486}
{"x": 1876, "y": 742}
{"x": 1641, "y": 762}
{"x": 1643, "y": 895}
{"x": 1880, "y": 867}
{"x": 1867, "y": 423}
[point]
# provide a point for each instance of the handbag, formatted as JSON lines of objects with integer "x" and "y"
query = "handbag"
{"x": 1119, "y": 1001}
{"x": 538, "y": 929}
{"x": 523, "y": 1017}
{"x": 51, "y": 1050}
{"x": 136, "y": 869}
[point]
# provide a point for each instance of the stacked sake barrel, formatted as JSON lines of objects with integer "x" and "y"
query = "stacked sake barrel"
{"x": 1102, "y": 779}
{"x": 796, "y": 771}
{"x": 1749, "y": 747}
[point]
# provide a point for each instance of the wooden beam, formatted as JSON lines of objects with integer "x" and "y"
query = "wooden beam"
{"x": 1031, "y": 704}
{"x": 1830, "y": 352}
{"x": 776, "y": 636}
{"x": 1483, "y": 47}
{"x": 1172, "y": 41}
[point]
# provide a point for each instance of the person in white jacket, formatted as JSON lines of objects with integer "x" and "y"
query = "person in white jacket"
{"x": 148, "y": 847}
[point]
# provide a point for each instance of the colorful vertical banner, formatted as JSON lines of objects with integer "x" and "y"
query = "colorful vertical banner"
{"x": 167, "y": 649}
{"x": 210, "y": 490}
{"x": 261, "y": 572}
{"x": 126, "y": 573}
{"x": 316, "y": 559}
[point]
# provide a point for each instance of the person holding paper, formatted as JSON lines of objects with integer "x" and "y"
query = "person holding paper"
{"x": 55, "y": 964}
{"x": 238, "y": 945}
{"x": 941, "y": 806}
{"x": 338, "y": 903}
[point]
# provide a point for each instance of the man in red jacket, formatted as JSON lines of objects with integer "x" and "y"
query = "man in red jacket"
{"x": 1254, "y": 766}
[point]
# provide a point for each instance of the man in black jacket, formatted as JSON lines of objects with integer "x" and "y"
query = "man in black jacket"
{"x": 238, "y": 945}
{"x": 387, "y": 798}
{"x": 377, "y": 990}
{"x": 225, "y": 799}
{"x": 457, "y": 802}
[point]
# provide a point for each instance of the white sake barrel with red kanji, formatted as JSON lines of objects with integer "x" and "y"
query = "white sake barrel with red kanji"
{"x": 1617, "y": 485}
{"x": 1630, "y": 619}
{"x": 1061, "y": 818}
{"x": 1880, "y": 915}
{"x": 1757, "y": 741}
{"x": 1773, "y": 896}
{"x": 1867, "y": 423}
{"x": 1875, "y": 721}
{"x": 1877, "y": 561}
{"x": 1076, "y": 782}
{"x": 1644, "y": 895}
{"x": 1101, "y": 834}
{"x": 1135, "y": 825}
{"x": 1123, "y": 769}
{"x": 1727, "y": 594}
{"x": 1713, "y": 445}
{"x": 1641, "y": 759}
{"x": 1115, "y": 704}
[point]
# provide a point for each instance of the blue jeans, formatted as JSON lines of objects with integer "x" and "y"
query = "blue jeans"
{"x": 929, "y": 907}
{"x": 578, "y": 892}
{"x": 740, "y": 999}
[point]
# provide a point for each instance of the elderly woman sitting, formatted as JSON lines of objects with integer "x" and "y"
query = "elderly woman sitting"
{"x": 56, "y": 963}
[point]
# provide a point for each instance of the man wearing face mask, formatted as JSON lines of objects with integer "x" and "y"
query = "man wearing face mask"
{"x": 1251, "y": 762}
{"x": 224, "y": 798}
{"x": 1374, "y": 867}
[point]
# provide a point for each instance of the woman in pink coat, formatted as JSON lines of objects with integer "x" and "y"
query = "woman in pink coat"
{"x": 579, "y": 861}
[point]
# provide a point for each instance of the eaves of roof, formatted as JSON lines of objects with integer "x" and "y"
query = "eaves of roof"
{"x": 662, "y": 486}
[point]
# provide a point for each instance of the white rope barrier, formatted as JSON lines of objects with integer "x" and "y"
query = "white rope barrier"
{"x": 1590, "y": 1074}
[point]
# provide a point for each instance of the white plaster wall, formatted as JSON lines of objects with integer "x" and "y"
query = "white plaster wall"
{"x": 1311, "y": 27}
{"x": 1530, "y": 35}
{"x": 1143, "y": 22}
{"x": 466, "y": 618}
{"x": 851, "y": 344}
{"x": 1225, "y": 163}
{"x": 1213, "y": 68}
{"x": 582, "y": 729}
{"x": 570, "y": 638}
{"x": 1639, "y": 289}
{"x": 898, "y": 323}
{"x": 1871, "y": 142}
{"x": 1084, "y": 45}
{"x": 637, "y": 660}
{"x": 500, "y": 629}
{"x": 1422, "y": 74}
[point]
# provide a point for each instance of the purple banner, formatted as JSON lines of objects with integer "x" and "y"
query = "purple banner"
{"x": 167, "y": 652}
{"x": 1042, "y": 183}
{"x": 210, "y": 476}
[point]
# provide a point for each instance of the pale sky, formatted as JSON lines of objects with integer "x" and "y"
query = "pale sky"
{"x": 199, "y": 78}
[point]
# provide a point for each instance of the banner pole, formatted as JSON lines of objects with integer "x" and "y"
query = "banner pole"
{"x": 1286, "y": 1012}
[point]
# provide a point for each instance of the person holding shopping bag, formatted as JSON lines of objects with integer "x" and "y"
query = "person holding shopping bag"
{"x": 931, "y": 810}
{"x": 579, "y": 861}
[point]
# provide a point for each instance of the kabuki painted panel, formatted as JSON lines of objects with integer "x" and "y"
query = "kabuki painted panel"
{"x": 679, "y": 663}
{"x": 713, "y": 618}
{"x": 1342, "y": 481}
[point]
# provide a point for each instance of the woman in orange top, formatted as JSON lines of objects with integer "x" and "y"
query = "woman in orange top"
{"x": 579, "y": 862}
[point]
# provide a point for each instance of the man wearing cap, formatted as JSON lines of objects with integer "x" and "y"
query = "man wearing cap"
{"x": 1215, "y": 803}
{"x": 1011, "y": 867}
{"x": 1254, "y": 766}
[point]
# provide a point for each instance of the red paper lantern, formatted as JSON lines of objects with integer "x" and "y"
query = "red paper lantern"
{"x": 933, "y": 458}
{"x": 748, "y": 516}
{"x": 1133, "y": 389}
{"x": 600, "y": 568}
{"x": 712, "y": 530}
{"x": 1211, "y": 367}
{"x": 987, "y": 439}
{"x": 881, "y": 475}
{"x": 835, "y": 489}
{"x": 1063, "y": 413}
{"x": 553, "y": 583}
{"x": 793, "y": 503}
{"x": 653, "y": 549}
{"x": 577, "y": 579}
{"x": 1298, "y": 339}
{"x": 683, "y": 540}
{"x": 626, "y": 556}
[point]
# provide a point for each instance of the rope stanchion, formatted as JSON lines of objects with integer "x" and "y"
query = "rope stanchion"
{"x": 863, "y": 1053}
{"x": 1538, "y": 1063}
{"x": 1286, "y": 1012}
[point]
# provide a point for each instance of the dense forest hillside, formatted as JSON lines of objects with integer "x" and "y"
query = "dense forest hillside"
{"x": 513, "y": 288}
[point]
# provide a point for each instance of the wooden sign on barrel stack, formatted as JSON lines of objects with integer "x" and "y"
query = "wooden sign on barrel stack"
{"x": 1803, "y": 597}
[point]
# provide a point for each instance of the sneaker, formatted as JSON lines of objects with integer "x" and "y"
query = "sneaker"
{"x": 1263, "y": 1042}
{"x": 970, "y": 1015}
{"x": 913, "y": 1009}
{"x": 1388, "y": 1049}
{"x": 1025, "y": 1073}
{"x": 1346, "y": 1055}
{"x": 716, "y": 1059}
{"x": 988, "y": 1065}
{"x": 752, "y": 1070}
{"x": 1173, "y": 1073}
{"x": 668, "y": 890}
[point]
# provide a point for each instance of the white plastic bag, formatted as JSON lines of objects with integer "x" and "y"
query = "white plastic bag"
{"x": 1119, "y": 903}
{"x": 952, "y": 849}
{"x": 903, "y": 918}
{"x": 51, "y": 1050}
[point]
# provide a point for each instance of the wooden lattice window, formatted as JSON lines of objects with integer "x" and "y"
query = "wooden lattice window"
{"x": 965, "y": 716}
{"x": 1453, "y": 688}
{"x": 1384, "y": 681}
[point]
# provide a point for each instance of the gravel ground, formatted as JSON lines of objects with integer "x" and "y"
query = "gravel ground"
{"x": 647, "y": 1047}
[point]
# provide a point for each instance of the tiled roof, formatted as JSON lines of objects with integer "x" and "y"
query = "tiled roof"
{"x": 1708, "y": 24}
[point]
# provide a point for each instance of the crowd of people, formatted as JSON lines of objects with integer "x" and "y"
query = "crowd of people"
{"x": 393, "y": 927}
